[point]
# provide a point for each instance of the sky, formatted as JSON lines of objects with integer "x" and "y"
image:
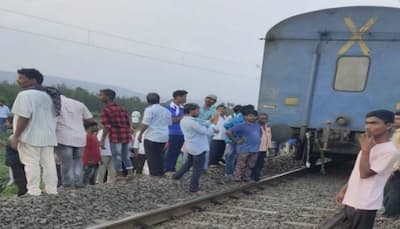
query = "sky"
{"x": 204, "y": 47}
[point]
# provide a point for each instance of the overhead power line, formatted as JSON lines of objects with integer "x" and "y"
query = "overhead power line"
{"x": 161, "y": 60}
{"x": 120, "y": 37}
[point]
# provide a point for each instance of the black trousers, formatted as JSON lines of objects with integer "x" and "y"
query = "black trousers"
{"x": 90, "y": 174}
{"x": 391, "y": 196}
{"x": 256, "y": 172}
{"x": 59, "y": 178}
{"x": 357, "y": 218}
{"x": 217, "y": 149}
{"x": 155, "y": 157}
{"x": 19, "y": 178}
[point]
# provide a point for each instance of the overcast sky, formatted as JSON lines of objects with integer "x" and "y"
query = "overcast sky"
{"x": 207, "y": 46}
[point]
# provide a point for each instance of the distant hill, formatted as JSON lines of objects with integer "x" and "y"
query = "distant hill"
{"x": 91, "y": 87}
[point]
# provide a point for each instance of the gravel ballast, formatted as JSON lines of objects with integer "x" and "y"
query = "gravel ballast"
{"x": 99, "y": 203}
{"x": 300, "y": 201}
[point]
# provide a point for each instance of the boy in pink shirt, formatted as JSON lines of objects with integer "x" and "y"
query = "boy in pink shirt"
{"x": 362, "y": 196}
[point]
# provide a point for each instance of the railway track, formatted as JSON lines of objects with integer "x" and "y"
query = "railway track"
{"x": 300, "y": 201}
{"x": 292, "y": 199}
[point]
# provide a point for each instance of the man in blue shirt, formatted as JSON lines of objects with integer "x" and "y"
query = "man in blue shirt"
{"x": 176, "y": 139}
{"x": 230, "y": 151}
{"x": 247, "y": 137}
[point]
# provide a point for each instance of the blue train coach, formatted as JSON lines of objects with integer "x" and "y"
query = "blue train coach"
{"x": 322, "y": 71}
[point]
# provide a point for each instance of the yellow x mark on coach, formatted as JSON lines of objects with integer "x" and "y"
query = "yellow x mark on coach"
{"x": 357, "y": 35}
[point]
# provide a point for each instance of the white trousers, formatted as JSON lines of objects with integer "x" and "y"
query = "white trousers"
{"x": 33, "y": 158}
{"x": 106, "y": 166}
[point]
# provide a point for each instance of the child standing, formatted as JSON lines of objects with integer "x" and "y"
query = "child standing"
{"x": 107, "y": 164}
{"x": 91, "y": 154}
{"x": 139, "y": 155}
{"x": 248, "y": 139}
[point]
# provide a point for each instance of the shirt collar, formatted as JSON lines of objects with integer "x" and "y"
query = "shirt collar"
{"x": 174, "y": 105}
{"x": 190, "y": 117}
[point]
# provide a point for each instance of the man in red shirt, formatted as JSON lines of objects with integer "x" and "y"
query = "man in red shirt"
{"x": 116, "y": 122}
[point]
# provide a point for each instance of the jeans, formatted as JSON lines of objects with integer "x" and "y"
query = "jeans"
{"x": 33, "y": 158}
{"x": 255, "y": 175}
{"x": 89, "y": 174}
{"x": 206, "y": 160}
{"x": 71, "y": 165}
{"x": 120, "y": 154}
{"x": 197, "y": 161}
{"x": 230, "y": 161}
{"x": 155, "y": 157}
{"x": 174, "y": 149}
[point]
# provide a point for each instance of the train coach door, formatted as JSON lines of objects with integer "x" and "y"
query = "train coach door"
{"x": 352, "y": 69}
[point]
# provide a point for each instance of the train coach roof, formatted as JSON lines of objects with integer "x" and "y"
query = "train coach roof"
{"x": 377, "y": 23}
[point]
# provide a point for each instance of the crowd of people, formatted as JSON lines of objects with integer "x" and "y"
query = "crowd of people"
{"x": 57, "y": 139}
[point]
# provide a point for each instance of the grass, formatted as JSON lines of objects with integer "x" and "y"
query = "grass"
{"x": 8, "y": 192}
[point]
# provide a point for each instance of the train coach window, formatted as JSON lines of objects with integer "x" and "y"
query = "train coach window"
{"x": 351, "y": 73}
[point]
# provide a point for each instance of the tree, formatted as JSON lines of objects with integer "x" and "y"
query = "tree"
{"x": 9, "y": 93}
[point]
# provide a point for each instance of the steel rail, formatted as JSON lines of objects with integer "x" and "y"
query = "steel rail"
{"x": 159, "y": 215}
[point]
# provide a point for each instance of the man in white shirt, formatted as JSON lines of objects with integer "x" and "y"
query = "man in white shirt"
{"x": 196, "y": 145}
{"x": 4, "y": 111}
{"x": 155, "y": 133}
{"x": 71, "y": 137}
{"x": 35, "y": 111}
{"x": 362, "y": 196}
